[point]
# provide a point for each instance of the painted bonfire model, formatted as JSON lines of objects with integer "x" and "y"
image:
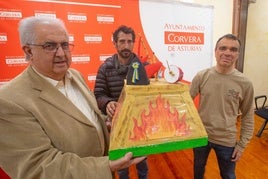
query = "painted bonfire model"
{"x": 155, "y": 118}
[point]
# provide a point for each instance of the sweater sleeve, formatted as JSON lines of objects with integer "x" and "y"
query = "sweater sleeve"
{"x": 247, "y": 118}
{"x": 194, "y": 86}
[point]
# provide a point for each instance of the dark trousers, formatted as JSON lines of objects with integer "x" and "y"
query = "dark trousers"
{"x": 224, "y": 156}
{"x": 142, "y": 170}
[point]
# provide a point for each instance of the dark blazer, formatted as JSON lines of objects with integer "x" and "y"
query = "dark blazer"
{"x": 43, "y": 135}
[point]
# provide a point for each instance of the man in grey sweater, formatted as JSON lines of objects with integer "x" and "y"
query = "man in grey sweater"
{"x": 224, "y": 94}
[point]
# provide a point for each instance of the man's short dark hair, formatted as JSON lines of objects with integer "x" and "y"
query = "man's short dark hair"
{"x": 126, "y": 30}
{"x": 228, "y": 36}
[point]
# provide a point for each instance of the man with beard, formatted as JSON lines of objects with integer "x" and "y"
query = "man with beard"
{"x": 110, "y": 82}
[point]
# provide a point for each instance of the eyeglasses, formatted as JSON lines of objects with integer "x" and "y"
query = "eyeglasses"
{"x": 53, "y": 46}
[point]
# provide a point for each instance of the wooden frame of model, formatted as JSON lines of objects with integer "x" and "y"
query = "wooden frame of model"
{"x": 155, "y": 118}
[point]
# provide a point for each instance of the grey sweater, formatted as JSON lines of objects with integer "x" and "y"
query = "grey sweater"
{"x": 222, "y": 98}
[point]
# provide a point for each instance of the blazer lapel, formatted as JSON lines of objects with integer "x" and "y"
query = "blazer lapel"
{"x": 54, "y": 97}
{"x": 89, "y": 96}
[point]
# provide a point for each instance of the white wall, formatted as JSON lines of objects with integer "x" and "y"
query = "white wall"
{"x": 256, "y": 51}
{"x": 256, "y": 48}
{"x": 223, "y": 17}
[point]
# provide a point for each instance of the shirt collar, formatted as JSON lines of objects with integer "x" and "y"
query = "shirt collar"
{"x": 68, "y": 76}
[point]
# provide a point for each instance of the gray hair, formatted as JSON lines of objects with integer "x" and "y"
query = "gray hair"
{"x": 27, "y": 31}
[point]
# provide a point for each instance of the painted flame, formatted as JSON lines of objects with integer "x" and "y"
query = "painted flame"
{"x": 160, "y": 122}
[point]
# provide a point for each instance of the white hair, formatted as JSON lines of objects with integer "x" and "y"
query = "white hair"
{"x": 27, "y": 28}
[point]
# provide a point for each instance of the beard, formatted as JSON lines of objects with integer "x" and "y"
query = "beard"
{"x": 125, "y": 53}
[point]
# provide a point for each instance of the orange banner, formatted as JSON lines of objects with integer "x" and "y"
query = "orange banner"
{"x": 184, "y": 38}
{"x": 90, "y": 25}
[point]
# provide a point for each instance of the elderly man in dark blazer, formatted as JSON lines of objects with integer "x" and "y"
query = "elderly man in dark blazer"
{"x": 50, "y": 125}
